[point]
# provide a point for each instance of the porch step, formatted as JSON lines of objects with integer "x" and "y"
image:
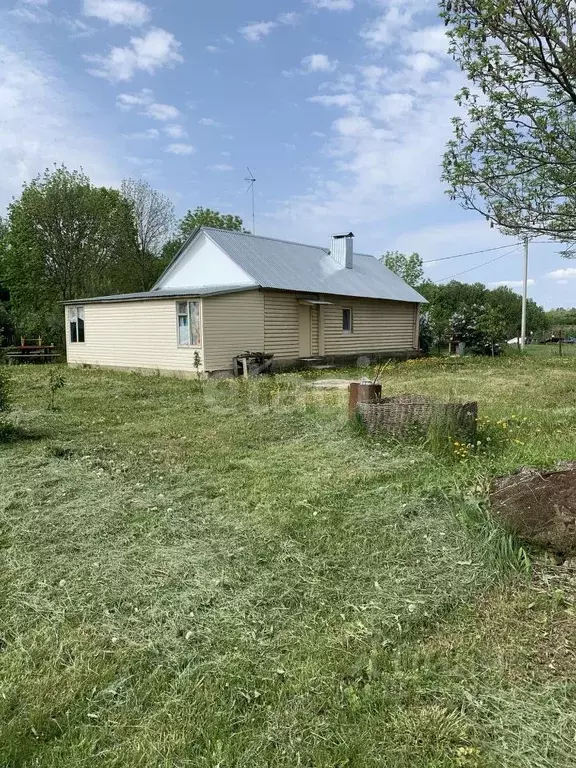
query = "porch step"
{"x": 316, "y": 364}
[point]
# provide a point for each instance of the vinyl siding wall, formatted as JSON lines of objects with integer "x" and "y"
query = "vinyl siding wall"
{"x": 387, "y": 326}
{"x": 131, "y": 335}
{"x": 281, "y": 331}
{"x": 233, "y": 323}
{"x": 378, "y": 326}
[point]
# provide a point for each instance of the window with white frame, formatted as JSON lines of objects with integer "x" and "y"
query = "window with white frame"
{"x": 76, "y": 319}
{"x": 347, "y": 320}
{"x": 188, "y": 313}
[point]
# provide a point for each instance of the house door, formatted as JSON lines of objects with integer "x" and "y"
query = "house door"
{"x": 305, "y": 331}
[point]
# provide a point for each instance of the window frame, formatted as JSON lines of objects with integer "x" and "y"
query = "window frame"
{"x": 350, "y": 330}
{"x": 188, "y": 315}
{"x": 76, "y": 314}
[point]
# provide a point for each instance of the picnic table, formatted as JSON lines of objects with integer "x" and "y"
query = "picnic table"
{"x": 31, "y": 351}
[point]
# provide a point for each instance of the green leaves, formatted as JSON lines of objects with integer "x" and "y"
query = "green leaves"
{"x": 65, "y": 239}
{"x": 409, "y": 268}
{"x": 512, "y": 155}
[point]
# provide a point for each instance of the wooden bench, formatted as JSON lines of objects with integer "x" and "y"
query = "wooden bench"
{"x": 31, "y": 354}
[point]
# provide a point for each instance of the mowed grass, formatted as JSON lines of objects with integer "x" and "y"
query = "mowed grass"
{"x": 233, "y": 575}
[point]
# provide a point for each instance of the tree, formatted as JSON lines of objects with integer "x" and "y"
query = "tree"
{"x": 509, "y": 305}
{"x": 492, "y": 326}
{"x": 66, "y": 239}
{"x": 200, "y": 217}
{"x": 409, "y": 268}
{"x": 560, "y": 318}
{"x": 477, "y": 315}
{"x": 153, "y": 216}
{"x": 512, "y": 154}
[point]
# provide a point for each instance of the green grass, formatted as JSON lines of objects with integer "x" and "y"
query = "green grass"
{"x": 234, "y": 576}
{"x": 551, "y": 350}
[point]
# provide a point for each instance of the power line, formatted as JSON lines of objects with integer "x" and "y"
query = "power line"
{"x": 484, "y": 264}
{"x": 471, "y": 253}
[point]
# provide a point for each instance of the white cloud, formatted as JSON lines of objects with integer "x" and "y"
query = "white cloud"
{"x": 221, "y": 168}
{"x": 344, "y": 100}
{"x": 130, "y": 13}
{"x": 291, "y": 18}
{"x": 213, "y": 48}
{"x": 175, "y": 131}
{"x": 511, "y": 283}
{"x": 155, "y": 50}
{"x": 38, "y": 12}
{"x": 225, "y": 154}
{"x": 397, "y": 23}
{"x": 180, "y": 149}
{"x": 429, "y": 39}
{"x": 256, "y": 30}
{"x": 150, "y": 108}
{"x": 149, "y": 133}
{"x": 43, "y": 123}
{"x": 562, "y": 282}
{"x": 332, "y": 5}
{"x": 208, "y": 121}
{"x": 563, "y": 274}
{"x": 76, "y": 27}
{"x": 422, "y": 63}
{"x": 162, "y": 112}
{"x": 126, "y": 101}
{"x": 34, "y": 11}
{"x": 318, "y": 62}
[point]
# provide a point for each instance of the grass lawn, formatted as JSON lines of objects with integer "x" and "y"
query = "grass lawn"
{"x": 551, "y": 350}
{"x": 236, "y": 577}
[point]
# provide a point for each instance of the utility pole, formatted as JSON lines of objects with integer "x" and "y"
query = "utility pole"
{"x": 524, "y": 296}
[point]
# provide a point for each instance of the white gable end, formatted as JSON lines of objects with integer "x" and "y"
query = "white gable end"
{"x": 203, "y": 263}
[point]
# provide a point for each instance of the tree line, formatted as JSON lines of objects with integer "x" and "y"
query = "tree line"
{"x": 470, "y": 312}
{"x": 65, "y": 238}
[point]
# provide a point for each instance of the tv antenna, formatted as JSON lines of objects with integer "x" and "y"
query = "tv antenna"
{"x": 252, "y": 181}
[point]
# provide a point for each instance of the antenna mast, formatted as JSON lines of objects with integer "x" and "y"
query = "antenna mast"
{"x": 252, "y": 181}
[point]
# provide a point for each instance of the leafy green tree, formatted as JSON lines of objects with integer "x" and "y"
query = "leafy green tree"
{"x": 66, "y": 239}
{"x": 512, "y": 153}
{"x": 455, "y": 307}
{"x": 508, "y": 304}
{"x": 409, "y": 268}
{"x": 561, "y": 318}
{"x": 200, "y": 217}
{"x": 492, "y": 327}
{"x": 6, "y": 325}
{"x": 153, "y": 215}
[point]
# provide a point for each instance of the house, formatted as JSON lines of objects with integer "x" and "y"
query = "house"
{"x": 229, "y": 292}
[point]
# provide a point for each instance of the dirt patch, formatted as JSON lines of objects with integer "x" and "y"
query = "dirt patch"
{"x": 539, "y": 506}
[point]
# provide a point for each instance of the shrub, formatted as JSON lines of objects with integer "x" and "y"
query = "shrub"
{"x": 56, "y": 381}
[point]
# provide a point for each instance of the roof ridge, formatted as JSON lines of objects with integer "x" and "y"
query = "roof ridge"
{"x": 278, "y": 240}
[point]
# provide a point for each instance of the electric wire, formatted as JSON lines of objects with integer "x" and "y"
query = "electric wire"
{"x": 478, "y": 266}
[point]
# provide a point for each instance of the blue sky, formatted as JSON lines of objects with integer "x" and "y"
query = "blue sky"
{"x": 340, "y": 107}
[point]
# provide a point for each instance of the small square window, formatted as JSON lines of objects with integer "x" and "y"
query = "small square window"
{"x": 346, "y": 320}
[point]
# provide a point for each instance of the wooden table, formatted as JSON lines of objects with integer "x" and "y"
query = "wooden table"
{"x": 44, "y": 353}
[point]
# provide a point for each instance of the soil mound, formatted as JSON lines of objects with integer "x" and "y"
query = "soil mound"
{"x": 539, "y": 506}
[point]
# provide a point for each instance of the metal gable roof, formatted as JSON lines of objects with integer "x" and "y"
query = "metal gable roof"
{"x": 287, "y": 266}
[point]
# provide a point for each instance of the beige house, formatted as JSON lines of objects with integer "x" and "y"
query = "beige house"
{"x": 226, "y": 293}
